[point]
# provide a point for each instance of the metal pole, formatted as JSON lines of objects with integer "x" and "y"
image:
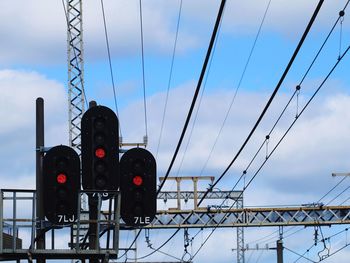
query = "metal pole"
{"x": 178, "y": 180}
{"x": 39, "y": 175}
{"x": 1, "y": 220}
{"x": 279, "y": 245}
{"x": 195, "y": 192}
{"x": 93, "y": 213}
{"x": 14, "y": 225}
{"x": 117, "y": 221}
{"x": 92, "y": 224}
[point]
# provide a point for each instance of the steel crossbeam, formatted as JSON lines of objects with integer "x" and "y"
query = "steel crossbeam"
{"x": 186, "y": 195}
{"x": 252, "y": 217}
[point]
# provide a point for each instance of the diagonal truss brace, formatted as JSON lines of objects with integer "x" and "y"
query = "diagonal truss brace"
{"x": 75, "y": 71}
{"x": 252, "y": 217}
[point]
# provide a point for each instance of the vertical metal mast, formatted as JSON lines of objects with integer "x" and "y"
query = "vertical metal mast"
{"x": 75, "y": 78}
{"x": 240, "y": 236}
{"x": 75, "y": 72}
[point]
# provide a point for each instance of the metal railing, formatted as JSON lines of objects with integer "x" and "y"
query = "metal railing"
{"x": 18, "y": 220}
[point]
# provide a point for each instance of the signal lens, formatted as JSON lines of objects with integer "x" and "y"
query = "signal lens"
{"x": 100, "y": 182}
{"x": 138, "y": 166}
{"x": 100, "y": 153}
{"x": 99, "y": 123}
{"x": 137, "y": 180}
{"x": 100, "y": 167}
{"x": 99, "y": 138}
{"x": 61, "y": 178}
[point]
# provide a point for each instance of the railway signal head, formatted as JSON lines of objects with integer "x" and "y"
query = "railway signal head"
{"x": 100, "y": 149}
{"x": 138, "y": 187}
{"x": 61, "y": 185}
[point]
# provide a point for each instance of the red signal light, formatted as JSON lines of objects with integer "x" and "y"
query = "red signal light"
{"x": 100, "y": 153}
{"x": 61, "y": 178}
{"x": 137, "y": 180}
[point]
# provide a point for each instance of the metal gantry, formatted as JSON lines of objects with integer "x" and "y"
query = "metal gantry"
{"x": 18, "y": 221}
{"x": 195, "y": 195}
{"x": 252, "y": 217}
{"x": 75, "y": 71}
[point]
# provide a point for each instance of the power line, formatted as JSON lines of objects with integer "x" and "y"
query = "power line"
{"x": 132, "y": 243}
{"x": 307, "y": 104}
{"x": 232, "y": 101}
{"x": 300, "y": 255}
{"x": 318, "y": 241}
{"x": 110, "y": 62}
{"x": 276, "y": 146}
{"x": 268, "y": 237}
{"x": 306, "y": 73}
{"x": 347, "y": 199}
{"x": 199, "y": 103}
{"x": 157, "y": 249}
{"x": 268, "y": 156}
{"x": 217, "y": 22}
{"x": 332, "y": 189}
{"x": 270, "y": 100}
{"x": 287, "y": 105}
{"x": 301, "y": 112}
{"x": 170, "y": 78}
{"x": 237, "y": 88}
{"x": 143, "y": 69}
{"x": 342, "y": 192}
{"x": 290, "y": 100}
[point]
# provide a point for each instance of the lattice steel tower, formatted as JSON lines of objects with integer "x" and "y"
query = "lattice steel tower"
{"x": 240, "y": 236}
{"x": 75, "y": 71}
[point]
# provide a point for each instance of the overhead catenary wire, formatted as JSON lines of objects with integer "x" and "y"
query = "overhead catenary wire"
{"x": 199, "y": 103}
{"x": 144, "y": 89}
{"x": 298, "y": 116}
{"x": 330, "y": 190}
{"x": 278, "y": 143}
{"x": 169, "y": 79}
{"x": 301, "y": 112}
{"x": 143, "y": 68}
{"x": 199, "y": 84}
{"x": 271, "y": 236}
{"x": 259, "y": 257}
{"x": 232, "y": 100}
{"x": 237, "y": 88}
{"x": 270, "y": 99}
{"x": 300, "y": 255}
{"x": 267, "y": 157}
{"x": 110, "y": 63}
{"x": 342, "y": 192}
{"x": 293, "y": 95}
{"x": 132, "y": 243}
{"x": 157, "y": 249}
{"x": 289, "y": 102}
{"x": 347, "y": 199}
{"x": 250, "y": 256}
{"x": 314, "y": 244}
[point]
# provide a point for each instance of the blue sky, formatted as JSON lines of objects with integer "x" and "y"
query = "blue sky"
{"x": 33, "y": 63}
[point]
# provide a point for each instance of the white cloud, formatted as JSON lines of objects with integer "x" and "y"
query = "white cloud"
{"x": 315, "y": 147}
{"x": 39, "y": 34}
{"x": 18, "y": 92}
{"x": 283, "y": 17}
{"x": 322, "y": 132}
